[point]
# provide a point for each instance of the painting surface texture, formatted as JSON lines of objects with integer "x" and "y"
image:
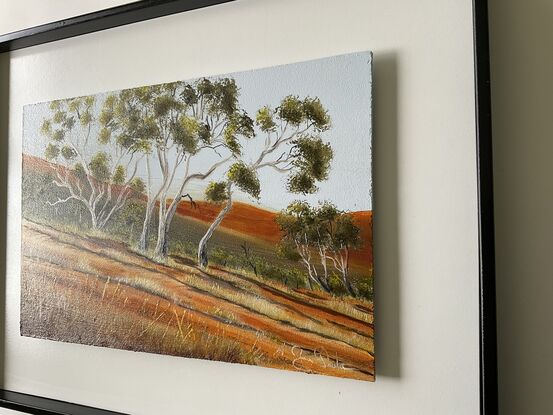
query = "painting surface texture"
{"x": 226, "y": 218}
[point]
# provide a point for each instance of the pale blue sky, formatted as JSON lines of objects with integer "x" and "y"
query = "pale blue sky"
{"x": 343, "y": 84}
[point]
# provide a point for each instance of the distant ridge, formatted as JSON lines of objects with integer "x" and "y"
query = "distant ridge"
{"x": 247, "y": 219}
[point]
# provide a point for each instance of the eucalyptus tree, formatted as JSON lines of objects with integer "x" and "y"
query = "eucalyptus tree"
{"x": 336, "y": 234}
{"x": 323, "y": 231}
{"x": 150, "y": 113}
{"x": 94, "y": 170}
{"x": 291, "y": 146}
{"x": 344, "y": 236}
{"x": 239, "y": 175}
{"x": 177, "y": 121}
{"x": 301, "y": 231}
{"x": 211, "y": 120}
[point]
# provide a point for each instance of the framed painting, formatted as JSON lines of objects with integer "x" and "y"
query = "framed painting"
{"x": 200, "y": 201}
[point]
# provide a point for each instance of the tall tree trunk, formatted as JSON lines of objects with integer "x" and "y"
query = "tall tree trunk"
{"x": 324, "y": 284}
{"x": 94, "y": 220}
{"x": 169, "y": 215}
{"x": 324, "y": 278}
{"x": 345, "y": 271}
{"x": 172, "y": 210}
{"x": 202, "y": 246}
{"x": 161, "y": 249}
{"x": 309, "y": 275}
{"x": 347, "y": 283}
{"x": 145, "y": 235}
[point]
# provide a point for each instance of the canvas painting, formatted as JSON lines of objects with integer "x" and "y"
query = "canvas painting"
{"x": 226, "y": 218}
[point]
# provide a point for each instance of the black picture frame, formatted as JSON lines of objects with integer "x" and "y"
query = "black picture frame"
{"x": 150, "y": 9}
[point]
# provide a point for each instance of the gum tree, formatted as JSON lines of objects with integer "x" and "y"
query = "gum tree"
{"x": 214, "y": 122}
{"x": 324, "y": 232}
{"x": 176, "y": 122}
{"x": 238, "y": 176}
{"x": 344, "y": 236}
{"x": 150, "y": 113}
{"x": 93, "y": 170}
{"x": 301, "y": 230}
{"x": 292, "y": 146}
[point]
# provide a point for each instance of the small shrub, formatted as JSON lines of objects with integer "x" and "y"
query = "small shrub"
{"x": 336, "y": 284}
{"x": 365, "y": 288}
{"x": 182, "y": 248}
{"x": 220, "y": 257}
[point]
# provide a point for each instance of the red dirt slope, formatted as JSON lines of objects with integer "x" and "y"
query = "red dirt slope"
{"x": 260, "y": 223}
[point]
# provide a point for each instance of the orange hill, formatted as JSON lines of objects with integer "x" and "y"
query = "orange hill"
{"x": 247, "y": 219}
{"x": 260, "y": 223}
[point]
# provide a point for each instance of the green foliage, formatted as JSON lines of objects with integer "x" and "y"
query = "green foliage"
{"x": 99, "y": 166}
{"x": 245, "y": 178}
{"x": 231, "y": 141}
{"x": 365, "y": 288}
{"x": 104, "y": 136}
{"x": 163, "y": 104}
{"x": 52, "y": 151}
{"x": 185, "y": 133}
{"x": 126, "y": 141}
{"x": 221, "y": 257}
{"x": 58, "y": 117}
{"x": 314, "y": 228}
{"x": 301, "y": 182}
{"x": 55, "y": 105}
{"x": 137, "y": 185}
{"x": 68, "y": 153}
{"x": 46, "y": 128}
{"x": 238, "y": 125}
{"x": 316, "y": 113}
{"x": 336, "y": 285}
{"x": 291, "y": 110}
{"x": 291, "y": 277}
{"x": 204, "y": 87}
{"x": 297, "y": 222}
{"x": 264, "y": 119}
{"x": 86, "y": 118}
{"x": 327, "y": 212}
{"x": 243, "y": 124}
{"x": 182, "y": 248}
{"x": 58, "y": 135}
{"x": 189, "y": 95}
{"x": 89, "y": 100}
{"x": 313, "y": 156}
{"x": 287, "y": 249}
{"x": 73, "y": 105}
{"x": 345, "y": 232}
{"x": 295, "y": 111}
{"x": 107, "y": 113}
{"x": 132, "y": 213}
{"x": 119, "y": 175}
{"x": 222, "y": 96}
{"x": 79, "y": 171}
{"x": 216, "y": 192}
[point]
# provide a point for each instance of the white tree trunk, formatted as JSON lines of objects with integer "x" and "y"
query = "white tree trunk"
{"x": 145, "y": 235}
{"x": 203, "y": 259}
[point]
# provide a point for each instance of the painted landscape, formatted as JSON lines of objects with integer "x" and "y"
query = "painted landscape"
{"x": 225, "y": 218}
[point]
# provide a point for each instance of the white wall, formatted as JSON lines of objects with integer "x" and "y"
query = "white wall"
{"x": 425, "y": 212}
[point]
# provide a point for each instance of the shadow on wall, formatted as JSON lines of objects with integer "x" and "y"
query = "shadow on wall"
{"x": 522, "y": 112}
{"x": 4, "y": 115}
{"x": 386, "y": 237}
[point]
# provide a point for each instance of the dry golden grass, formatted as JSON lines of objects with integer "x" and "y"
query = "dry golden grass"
{"x": 93, "y": 291}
